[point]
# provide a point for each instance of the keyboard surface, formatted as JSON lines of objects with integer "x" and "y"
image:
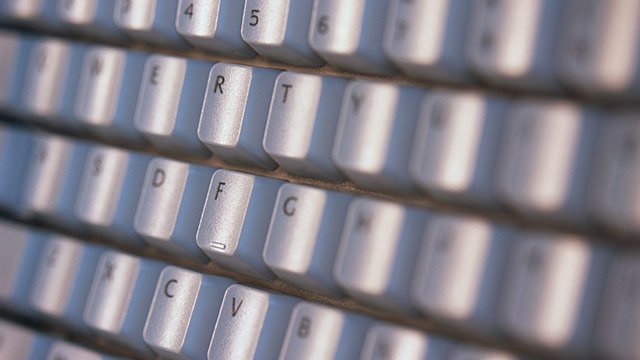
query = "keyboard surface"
{"x": 319, "y": 179}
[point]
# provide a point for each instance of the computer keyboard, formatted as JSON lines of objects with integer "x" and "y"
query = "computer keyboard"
{"x": 319, "y": 179}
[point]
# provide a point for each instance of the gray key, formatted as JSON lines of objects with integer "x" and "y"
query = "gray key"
{"x": 469, "y": 352}
{"x": 235, "y": 221}
{"x": 302, "y": 124}
{"x": 150, "y": 21}
{"x": 376, "y": 129}
{"x": 317, "y": 332}
{"x": 551, "y": 291}
{"x": 182, "y": 315}
{"x": 460, "y": 255}
{"x": 348, "y": 34}
{"x": 53, "y": 179}
{"x": 37, "y": 13}
{"x": 65, "y": 350}
{"x": 544, "y": 160}
{"x": 120, "y": 297}
{"x": 251, "y": 324}
{"x": 235, "y": 111}
{"x": 426, "y": 39}
{"x": 170, "y": 101}
{"x": 456, "y": 146}
{"x": 213, "y": 26}
{"x": 15, "y": 151}
{"x": 15, "y": 49}
{"x": 94, "y": 17}
{"x": 278, "y": 30}
{"x": 17, "y": 342}
{"x": 109, "y": 190}
{"x": 107, "y": 92}
{"x": 63, "y": 279}
{"x": 378, "y": 251}
{"x": 303, "y": 236}
{"x": 19, "y": 250}
{"x": 172, "y": 197}
{"x": 391, "y": 342}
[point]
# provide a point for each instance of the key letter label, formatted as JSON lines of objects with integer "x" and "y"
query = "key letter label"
{"x": 290, "y": 210}
{"x": 158, "y": 177}
{"x": 166, "y": 288}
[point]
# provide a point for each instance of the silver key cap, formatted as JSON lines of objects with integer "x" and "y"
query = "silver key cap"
{"x": 377, "y": 252}
{"x": 108, "y": 195}
{"x": 183, "y": 312}
{"x": 373, "y": 141}
{"x": 426, "y": 39}
{"x": 303, "y": 237}
{"x": 469, "y": 352}
{"x": 107, "y": 92}
{"x": 15, "y": 49}
{"x": 278, "y": 30}
{"x": 94, "y": 17}
{"x": 17, "y": 342}
{"x": 235, "y": 111}
{"x": 38, "y": 13}
{"x": 318, "y": 332}
{"x": 172, "y": 196}
{"x": 213, "y": 26}
{"x": 170, "y": 101}
{"x": 233, "y": 226}
{"x": 65, "y": 350}
{"x": 150, "y": 21}
{"x": 348, "y": 34}
{"x": 251, "y": 324}
{"x": 15, "y": 150}
{"x": 460, "y": 255}
{"x": 392, "y": 342}
{"x": 120, "y": 297}
{"x": 302, "y": 123}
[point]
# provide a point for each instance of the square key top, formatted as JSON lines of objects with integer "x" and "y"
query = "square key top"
{"x": 387, "y": 341}
{"x": 150, "y": 21}
{"x": 89, "y": 17}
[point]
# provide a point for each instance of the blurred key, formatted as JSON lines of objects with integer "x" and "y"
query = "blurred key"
{"x": 172, "y": 197}
{"x": 38, "y": 13}
{"x": 544, "y": 159}
{"x": 65, "y": 350}
{"x": 320, "y": 332}
{"x": 378, "y": 251}
{"x": 456, "y": 146}
{"x": 348, "y": 34}
{"x": 183, "y": 313}
{"x": 120, "y": 297}
{"x": 63, "y": 279}
{"x": 17, "y": 342}
{"x": 302, "y": 124}
{"x": 235, "y": 221}
{"x": 150, "y": 21}
{"x": 235, "y": 111}
{"x": 109, "y": 190}
{"x": 513, "y": 42}
{"x": 15, "y": 49}
{"x": 470, "y": 352}
{"x": 94, "y": 17}
{"x": 15, "y": 150}
{"x": 552, "y": 287}
{"x": 391, "y": 342}
{"x": 426, "y": 39}
{"x": 170, "y": 101}
{"x": 251, "y": 324}
{"x": 304, "y": 234}
{"x": 375, "y": 132}
{"x": 459, "y": 271}
{"x": 278, "y": 30}
{"x": 107, "y": 93}
{"x": 213, "y": 26}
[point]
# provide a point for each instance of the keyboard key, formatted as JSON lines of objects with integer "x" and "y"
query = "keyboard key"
{"x": 183, "y": 312}
{"x": 108, "y": 195}
{"x": 15, "y": 49}
{"x": 235, "y": 111}
{"x": 15, "y": 150}
{"x": 545, "y": 157}
{"x": 63, "y": 279}
{"x": 251, "y": 324}
{"x": 150, "y": 21}
{"x": 235, "y": 221}
{"x": 320, "y": 332}
{"x": 213, "y": 26}
{"x": 302, "y": 124}
{"x": 456, "y": 146}
{"x": 512, "y": 43}
{"x": 377, "y": 252}
{"x": 348, "y": 34}
{"x": 387, "y": 341}
{"x": 169, "y": 103}
{"x": 303, "y": 237}
{"x": 38, "y": 13}
{"x": 120, "y": 297}
{"x": 376, "y": 129}
{"x": 469, "y": 352}
{"x": 108, "y": 90}
{"x": 552, "y": 287}
{"x": 173, "y": 196}
{"x": 65, "y": 350}
{"x": 93, "y": 17}
{"x": 278, "y": 30}
{"x": 17, "y": 342}
{"x": 426, "y": 39}
{"x": 459, "y": 271}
